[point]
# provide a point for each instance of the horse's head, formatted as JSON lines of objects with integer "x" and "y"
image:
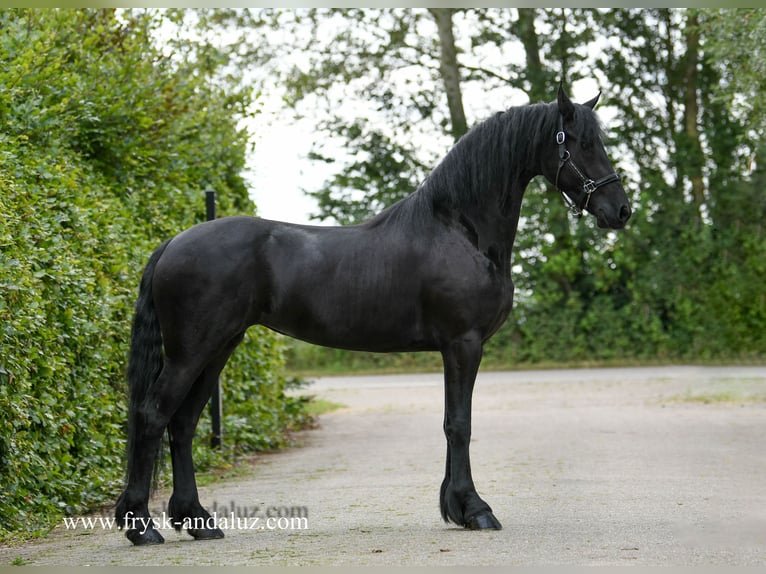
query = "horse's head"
{"x": 583, "y": 173}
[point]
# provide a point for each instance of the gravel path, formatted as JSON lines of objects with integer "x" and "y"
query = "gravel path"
{"x": 583, "y": 467}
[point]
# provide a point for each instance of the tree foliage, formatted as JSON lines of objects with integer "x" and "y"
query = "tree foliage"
{"x": 683, "y": 281}
{"x": 106, "y": 144}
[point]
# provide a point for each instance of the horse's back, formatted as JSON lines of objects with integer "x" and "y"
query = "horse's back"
{"x": 354, "y": 287}
{"x": 375, "y": 286}
{"x": 382, "y": 286}
{"x": 350, "y": 286}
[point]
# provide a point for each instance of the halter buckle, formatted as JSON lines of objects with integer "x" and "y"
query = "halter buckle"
{"x": 589, "y": 186}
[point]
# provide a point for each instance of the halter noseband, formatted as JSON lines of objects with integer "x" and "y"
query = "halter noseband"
{"x": 588, "y": 185}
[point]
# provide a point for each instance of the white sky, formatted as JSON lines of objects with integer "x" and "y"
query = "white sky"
{"x": 280, "y": 169}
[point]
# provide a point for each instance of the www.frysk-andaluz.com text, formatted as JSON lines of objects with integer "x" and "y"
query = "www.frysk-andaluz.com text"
{"x": 227, "y": 517}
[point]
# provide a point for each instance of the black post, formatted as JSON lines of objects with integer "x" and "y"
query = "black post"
{"x": 216, "y": 407}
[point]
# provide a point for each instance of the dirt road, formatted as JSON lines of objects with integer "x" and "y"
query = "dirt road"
{"x": 612, "y": 466}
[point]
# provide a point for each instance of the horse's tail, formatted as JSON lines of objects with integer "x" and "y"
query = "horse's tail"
{"x": 145, "y": 360}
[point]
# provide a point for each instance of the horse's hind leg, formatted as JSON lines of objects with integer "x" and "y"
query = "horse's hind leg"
{"x": 162, "y": 400}
{"x": 459, "y": 500}
{"x": 184, "y": 507}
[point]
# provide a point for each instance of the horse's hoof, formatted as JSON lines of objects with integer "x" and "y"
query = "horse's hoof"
{"x": 144, "y": 538}
{"x": 205, "y": 533}
{"x": 483, "y": 521}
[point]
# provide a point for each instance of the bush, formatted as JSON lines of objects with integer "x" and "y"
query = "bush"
{"x": 106, "y": 145}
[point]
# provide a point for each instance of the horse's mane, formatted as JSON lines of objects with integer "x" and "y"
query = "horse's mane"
{"x": 483, "y": 164}
{"x": 488, "y": 155}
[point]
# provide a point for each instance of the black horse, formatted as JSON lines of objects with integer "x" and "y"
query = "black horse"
{"x": 432, "y": 272}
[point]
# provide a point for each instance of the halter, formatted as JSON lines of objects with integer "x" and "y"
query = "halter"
{"x": 588, "y": 185}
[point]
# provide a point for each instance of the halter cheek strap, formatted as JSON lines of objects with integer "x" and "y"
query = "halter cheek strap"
{"x": 588, "y": 185}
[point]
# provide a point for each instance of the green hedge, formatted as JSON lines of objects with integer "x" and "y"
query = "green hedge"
{"x": 105, "y": 147}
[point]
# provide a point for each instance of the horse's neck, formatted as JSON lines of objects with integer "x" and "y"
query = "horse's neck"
{"x": 483, "y": 178}
{"x": 493, "y": 225}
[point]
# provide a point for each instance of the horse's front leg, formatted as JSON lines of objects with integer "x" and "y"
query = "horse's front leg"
{"x": 459, "y": 500}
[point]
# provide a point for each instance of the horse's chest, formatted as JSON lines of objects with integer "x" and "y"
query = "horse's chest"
{"x": 469, "y": 302}
{"x": 495, "y": 302}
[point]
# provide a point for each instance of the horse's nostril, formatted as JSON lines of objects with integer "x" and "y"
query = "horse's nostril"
{"x": 625, "y": 213}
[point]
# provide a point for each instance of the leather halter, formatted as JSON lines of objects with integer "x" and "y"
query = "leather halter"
{"x": 588, "y": 185}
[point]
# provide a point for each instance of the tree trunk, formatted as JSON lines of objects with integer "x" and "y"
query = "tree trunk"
{"x": 450, "y": 70}
{"x": 537, "y": 87}
{"x": 691, "y": 109}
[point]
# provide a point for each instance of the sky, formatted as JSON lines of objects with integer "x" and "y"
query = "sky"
{"x": 280, "y": 170}
{"x": 277, "y": 170}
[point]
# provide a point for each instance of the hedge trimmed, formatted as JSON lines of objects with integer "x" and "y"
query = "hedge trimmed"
{"x": 105, "y": 148}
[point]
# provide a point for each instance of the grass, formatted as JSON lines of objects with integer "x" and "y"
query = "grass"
{"x": 718, "y": 398}
{"x": 725, "y": 392}
{"x": 433, "y": 364}
{"x": 239, "y": 467}
{"x": 317, "y": 407}
{"x": 306, "y": 360}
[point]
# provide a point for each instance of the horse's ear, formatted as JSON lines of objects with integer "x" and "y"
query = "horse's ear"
{"x": 566, "y": 107}
{"x": 592, "y": 103}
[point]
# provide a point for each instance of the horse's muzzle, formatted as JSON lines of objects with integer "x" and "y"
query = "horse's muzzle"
{"x": 614, "y": 221}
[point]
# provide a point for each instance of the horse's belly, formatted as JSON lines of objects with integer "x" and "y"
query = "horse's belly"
{"x": 381, "y": 323}
{"x": 353, "y": 336}
{"x": 389, "y": 320}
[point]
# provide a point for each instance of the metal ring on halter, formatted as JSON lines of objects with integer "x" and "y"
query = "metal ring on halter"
{"x": 589, "y": 186}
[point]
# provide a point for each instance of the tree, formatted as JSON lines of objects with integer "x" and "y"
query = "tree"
{"x": 450, "y": 71}
{"x": 690, "y": 189}
{"x": 683, "y": 127}
{"x": 372, "y": 58}
{"x": 735, "y": 45}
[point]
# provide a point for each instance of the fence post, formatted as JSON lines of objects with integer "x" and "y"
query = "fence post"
{"x": 216, "y": 408}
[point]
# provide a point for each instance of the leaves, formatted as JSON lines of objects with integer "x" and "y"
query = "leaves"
{"x": 106, "y": 147}
{"x": 683, "y": 94}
